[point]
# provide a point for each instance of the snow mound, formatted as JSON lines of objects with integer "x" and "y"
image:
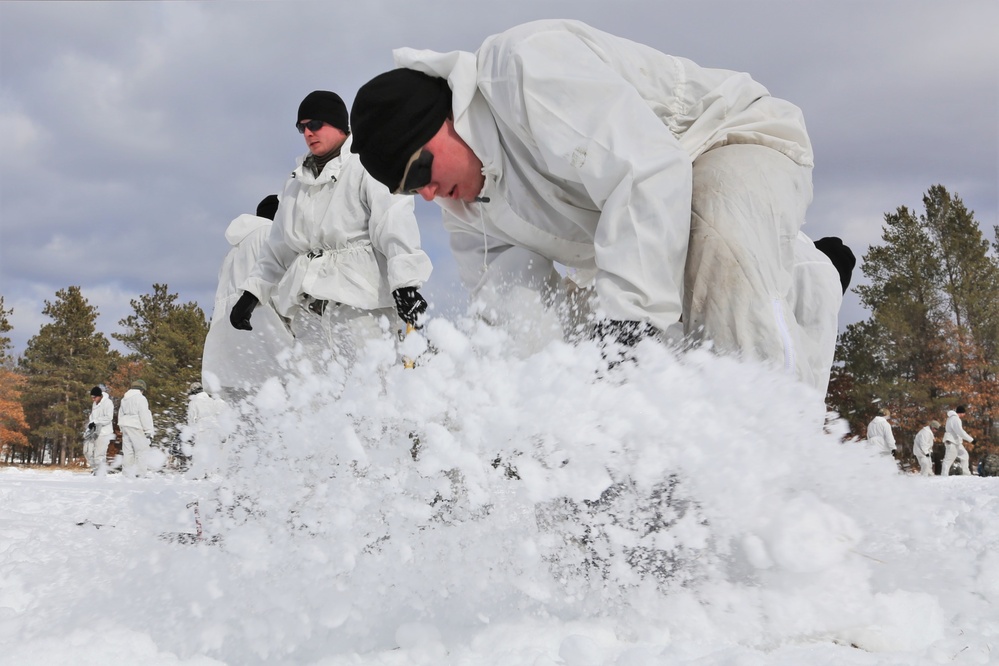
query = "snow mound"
{"x": 491, "y": 509}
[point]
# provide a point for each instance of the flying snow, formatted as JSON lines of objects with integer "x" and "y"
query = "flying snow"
{"x": 489, "y": 507}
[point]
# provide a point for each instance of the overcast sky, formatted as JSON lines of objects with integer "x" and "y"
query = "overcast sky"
{"x": 131, "y": 134}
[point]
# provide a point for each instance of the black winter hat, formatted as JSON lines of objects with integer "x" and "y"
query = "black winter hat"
{"x": 841, "y": 257}
{"x": 268, "y": 206}
{"x": 326, "y": 106}
{"x": 393, "y": 115}
{"x": 96, "y": 391}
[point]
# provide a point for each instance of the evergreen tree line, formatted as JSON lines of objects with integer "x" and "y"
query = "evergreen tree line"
{"x": 45, "y": 394}
{"x": 930, "y": 344}
{"x": 932, "y": 340}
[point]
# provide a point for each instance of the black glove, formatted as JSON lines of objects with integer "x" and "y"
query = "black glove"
{"x": 239, "y": 317}
{"x": 894, "y": 453}
{"x": 626, "y": 333}
{"x": 617, "y": 337}
{"x": 409, "y": 304}
{"x": 841, "y": 256}
{"x": 91, "y": 426}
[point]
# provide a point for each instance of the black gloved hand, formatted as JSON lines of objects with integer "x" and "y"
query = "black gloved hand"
{"x": 239, "y": 316}
{"x": 626, "y": 333}
{"x": 409, "y": 304}
{"x": 841, "y": 256}
{"x": 618, "y": 336}
{"x": 91, "y": 426}
{"x": 894, "y": 454}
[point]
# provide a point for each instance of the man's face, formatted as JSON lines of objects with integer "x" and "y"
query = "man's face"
{"x": 456, "y": 172}
{"x": 96, "y": 398}
{"x": 323, "y": 140}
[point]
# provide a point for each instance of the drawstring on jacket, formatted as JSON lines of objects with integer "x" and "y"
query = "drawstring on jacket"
{"x": 485, "y": 238}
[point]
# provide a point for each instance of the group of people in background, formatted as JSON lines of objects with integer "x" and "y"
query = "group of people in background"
{"x": 135, "y": 422}
{"x": 881, "y": 437}
{"x": 202, "y": 437}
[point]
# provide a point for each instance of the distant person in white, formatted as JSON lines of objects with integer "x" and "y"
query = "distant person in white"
{"x": 136, "y": 424}
{"x": 203, "y": 413}
{"x": 880, "y": 435}
{"x": 95, "y": 446}
{"x": 922, "y": 448}
{"x": 954, "y": 439}
{"x": 235, "y": 362}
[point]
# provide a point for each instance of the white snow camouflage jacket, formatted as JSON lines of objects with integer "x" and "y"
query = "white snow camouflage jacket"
{"x": 341, "y": 236}
{"x": 133, "y": 412}
{"x": 954, "y": 429}
{"x": 244, "y": 231}
{"x": 595, "y": 185}
{"x": 242, "y": 359}
{"x": 203, "y": 411}
{"x": 879, "y": 433}
{"x": 102, "y": 416}
{"x": 923, "y": 443}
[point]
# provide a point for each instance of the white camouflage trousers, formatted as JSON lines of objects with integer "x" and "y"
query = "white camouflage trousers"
{"x": 925, "y": 463}
{"x": 955, "y": 452}
{"x": 340, "y": 332}
{"x": 747, "y": 285}
{"x": 95, "y": 451}
{"x": 134, "y": 450}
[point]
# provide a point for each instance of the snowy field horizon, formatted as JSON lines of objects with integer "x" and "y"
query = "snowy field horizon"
{"x": 498, "y": 505}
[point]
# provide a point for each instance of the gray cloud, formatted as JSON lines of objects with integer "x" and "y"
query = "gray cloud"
{"x": 132, "y": 133}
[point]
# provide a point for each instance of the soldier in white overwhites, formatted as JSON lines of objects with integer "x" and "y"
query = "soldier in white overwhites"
{"x": 880, "y": 435}
{"x": 922, "y": 448}
{"x": 679, "y": 190}
{"x": 204, "y": 431}
{"x": 100, "y": 431}
{"x": 235, "y": 362}
{"x": 136, "y": 424}
{"x": 954, "y": 439}
{"x": 343, "y": 253}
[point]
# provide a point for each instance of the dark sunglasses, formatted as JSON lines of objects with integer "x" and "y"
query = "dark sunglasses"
{"x": 417, "y": 173}
{"x": 312, "y": 126}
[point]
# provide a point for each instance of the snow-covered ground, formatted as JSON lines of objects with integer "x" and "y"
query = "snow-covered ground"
{"x": 452, "y": 514}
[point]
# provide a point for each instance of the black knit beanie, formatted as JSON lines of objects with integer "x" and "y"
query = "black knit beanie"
{"x": 96, "y": 391}
{"x": 841, "y": 257}
{"x": 393, "y": 115}
{"x": 268, "y": 206}
{"x": 326, "y": 106}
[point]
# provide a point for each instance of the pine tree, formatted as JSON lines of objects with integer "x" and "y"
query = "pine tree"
{"x": 62, "y": 362}
{"x": 904, "y": 296}
{"x": 168, "y": 340}
{"x": 971, "y": 288}
{"x": 931, "y": 340}
{"x": 857, "y": 379}
{"x": 5, "y": 328}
